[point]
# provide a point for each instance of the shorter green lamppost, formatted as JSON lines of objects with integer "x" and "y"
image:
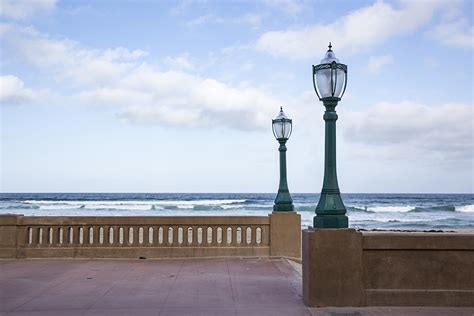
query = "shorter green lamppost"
{"x": 282, "y": 127}
{"x": 329, "y": 81}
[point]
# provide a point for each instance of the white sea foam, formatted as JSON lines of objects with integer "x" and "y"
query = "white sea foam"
{"x": 404, "y": 208}
{"x": 163, "y": 202}
{"x": 466, "y": 208}
{"x": 129, "y": 205}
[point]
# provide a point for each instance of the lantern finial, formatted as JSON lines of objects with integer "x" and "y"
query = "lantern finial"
{"x": 330, "y": 47}
{"x": 281, "y": 108}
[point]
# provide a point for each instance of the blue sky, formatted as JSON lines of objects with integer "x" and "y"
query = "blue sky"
{"x": 178, "y": 96}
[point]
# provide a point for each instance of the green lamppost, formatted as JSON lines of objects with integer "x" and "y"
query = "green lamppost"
{"x": 329, "y": 81}
{"x": 282, "y": 130}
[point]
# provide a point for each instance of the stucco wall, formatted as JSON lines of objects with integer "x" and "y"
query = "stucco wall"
{"x": 344, "y": 267}
{"x": 278, "y": 234}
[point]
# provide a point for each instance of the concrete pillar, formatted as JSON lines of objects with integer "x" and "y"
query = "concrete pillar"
{"x": 332, "y": 267}
{"x": 8, "y": 235}
{"x": 285, "y": 234}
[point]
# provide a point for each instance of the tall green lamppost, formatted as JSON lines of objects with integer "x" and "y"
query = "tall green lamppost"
{"x": 329, "y": 81}
{"x": 282, "y": 127}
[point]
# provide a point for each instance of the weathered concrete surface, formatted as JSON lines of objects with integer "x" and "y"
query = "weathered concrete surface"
{"x": 138, "y": 236}
{"x": 285, "y": 234}
{"x": 213, "y": 286}
{"x": 8, "y": 236}
{"x": 278, "y": 234}
{"x": 344, "y": 267}
{"x": 332, "y": 267}
{"x": 165, "y": 287}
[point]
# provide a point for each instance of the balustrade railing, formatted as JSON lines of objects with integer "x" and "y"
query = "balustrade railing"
{"x": 144, "y": 235}
{"x": 157, "y": 236}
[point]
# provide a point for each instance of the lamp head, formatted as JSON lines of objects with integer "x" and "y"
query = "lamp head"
{"x": 330, "y": 77}
{"x": 282, "y": 126}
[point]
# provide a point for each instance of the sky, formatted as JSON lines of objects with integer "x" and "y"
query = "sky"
{"x": 178, "y": 96}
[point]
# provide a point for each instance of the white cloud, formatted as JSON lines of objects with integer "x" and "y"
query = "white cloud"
{"x": 68, "y": 59}
{"x": 415, "y": 131}
{"x": 175, "y": 97}
{"x": 202, "y": 19}
{"x": 251, "y": 19}
{"x": 122, "y": 79}
{"x": 357, "y": 31}
{"x": 291, "y": 7}
{"x": 457, "y": 33}
{"x": 183, "y": 5}
{"x": 13, "y": 91}
{"x": 179, "y": 62}
{"x": 23, "y": 9}
{"x": 376, "y": 63}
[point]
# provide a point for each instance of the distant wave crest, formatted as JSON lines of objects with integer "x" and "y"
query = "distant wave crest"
{"x": 132, "y": 205}
{"x": 466, "y": 208}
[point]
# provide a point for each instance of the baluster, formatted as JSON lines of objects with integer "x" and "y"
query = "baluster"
{"x": 112, "y": 233}
{"x": 198, "y": 240}
{"x": 49, "y": 236}
{"x": 43, "y": 236}
{"x": 90, "y": 236}
{"x": 211, "y": 234}
{"x": 220, "y": 236}
{"x": 143, "y": 232}
{"x": 244, "y": 236}
{"x": 258, "y": 236}
{"x": 166, "y": 231}
{"x": 102, "y": 236}
{"x": 248, "y": 235}
{"x": 81, "y": 236}
{"x": 180, "y": 236}
{"x": 60, "y": 239}
{"x": 150, "y": 233}
{"x": 234, "y": 236}
{"x": 29, "y": 236}
{"x": 131, "y": 236}
{"x": 175, "y": 236}
{"x": 68, "y": 235}
{"x": 125, "y": 235}
{"x": 193, "y": 236}
{"x": 204, "y": 236}
{"x": 161, "y": 235}
{"x": 136, "y": 236}
{"x": 224, "y": 236}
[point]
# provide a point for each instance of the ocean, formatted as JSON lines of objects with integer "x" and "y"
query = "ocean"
{"x": 365, "y": 211}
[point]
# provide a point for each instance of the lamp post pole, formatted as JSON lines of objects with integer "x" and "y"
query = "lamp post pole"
{"x": 329, "y": 81}
{"x": 282, "y": 127}
{"x": 330, "y": 211}
{"x": 283, "y": 201}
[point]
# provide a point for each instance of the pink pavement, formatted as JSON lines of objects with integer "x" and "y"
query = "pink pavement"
{"x": 210, "y": 286}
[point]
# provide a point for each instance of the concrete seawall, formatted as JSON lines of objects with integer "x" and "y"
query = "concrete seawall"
{"x": 344, "y": 267}
{"x": 277, "y": 234}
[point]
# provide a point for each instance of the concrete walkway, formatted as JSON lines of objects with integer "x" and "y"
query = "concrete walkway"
{"x": 225, "y": 286}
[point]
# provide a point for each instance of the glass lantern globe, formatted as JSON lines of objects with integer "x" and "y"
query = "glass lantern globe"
{"x": 330, "y": 77}
{"x": 282, "y": 126}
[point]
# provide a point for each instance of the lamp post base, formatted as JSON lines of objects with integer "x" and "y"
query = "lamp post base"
{"x": 283, "y": 207}
{"x": 330, "y": 221}
{"x": 330, "y": 212}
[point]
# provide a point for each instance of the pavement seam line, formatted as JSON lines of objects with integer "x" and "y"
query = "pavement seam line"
{"x": 230, "y": 281}
{"x": 35, "y": 297}
{"x": 114, "y": 284}
{"x": 172, "y": 287}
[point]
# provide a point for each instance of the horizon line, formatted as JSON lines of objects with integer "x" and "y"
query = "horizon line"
{"x": 182, "y": 192}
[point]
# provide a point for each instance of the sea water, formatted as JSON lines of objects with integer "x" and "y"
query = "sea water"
{"x": 365, "y": 211}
